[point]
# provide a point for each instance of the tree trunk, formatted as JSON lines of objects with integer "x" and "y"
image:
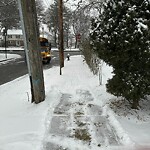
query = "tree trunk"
{"x": 76, "y": 42}
{"x": 135, "y": 104}
{"x": 55, "y": 38}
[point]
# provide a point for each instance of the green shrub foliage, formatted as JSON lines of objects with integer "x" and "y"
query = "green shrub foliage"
{"x": 121, "y": 37}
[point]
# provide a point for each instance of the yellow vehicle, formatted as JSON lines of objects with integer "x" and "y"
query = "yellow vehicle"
{"x": 45, "y": 47}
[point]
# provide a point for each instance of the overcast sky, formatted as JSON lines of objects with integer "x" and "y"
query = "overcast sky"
{"x": 70, "y": 3}
{"x": 47, "y": 2}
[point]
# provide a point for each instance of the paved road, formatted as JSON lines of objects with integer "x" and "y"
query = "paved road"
{"x": 16, "y": 68}
{"x": 13, "y": 69}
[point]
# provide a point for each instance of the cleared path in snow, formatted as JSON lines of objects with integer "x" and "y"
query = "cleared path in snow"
{"x": 79, "y": 125}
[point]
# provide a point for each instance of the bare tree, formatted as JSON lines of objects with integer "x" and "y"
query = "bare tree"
{"x": 9, "y": 14}
{"x": 40, "y": 11}
{"x": 52, "y": 21}
{"x": 80, "y": 24}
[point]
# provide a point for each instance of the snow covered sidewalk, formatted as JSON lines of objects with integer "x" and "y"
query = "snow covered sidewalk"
{"x": 75, "y": 115}
{"x": 77, "y": 121}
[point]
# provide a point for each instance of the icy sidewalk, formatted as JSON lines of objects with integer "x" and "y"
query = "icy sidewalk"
{"x": 79, "y": 125}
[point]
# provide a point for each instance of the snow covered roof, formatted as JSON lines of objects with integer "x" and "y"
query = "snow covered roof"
{"x": 14, "y": 32}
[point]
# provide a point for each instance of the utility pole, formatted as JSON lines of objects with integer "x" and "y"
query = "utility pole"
{"x": 61, "y": 39}
{"x": 31, "y": 42}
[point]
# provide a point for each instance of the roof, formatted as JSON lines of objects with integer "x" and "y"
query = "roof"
{"x": 14, "y": 32}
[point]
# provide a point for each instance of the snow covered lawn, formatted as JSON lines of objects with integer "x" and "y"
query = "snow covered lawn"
{"x": 12, "y": 48}
{"x": 75, "y": 105}
{"x": 22, "y": 49}
{"x": 4, "y": 56}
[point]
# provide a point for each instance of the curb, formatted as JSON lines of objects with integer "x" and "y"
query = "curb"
{"x": 6, "y": 60}
{"x": 12, "y": 50}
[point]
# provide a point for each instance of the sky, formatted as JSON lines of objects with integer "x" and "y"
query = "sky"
{"x": 52, "y": 123}
{"x": 70, "y": 3}
{"x": 47, "y": 2}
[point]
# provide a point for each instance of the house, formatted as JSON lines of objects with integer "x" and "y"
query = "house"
{"x": 15, "y": 37}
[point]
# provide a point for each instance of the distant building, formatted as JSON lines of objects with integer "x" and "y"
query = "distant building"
{"x": 15, "y": 37}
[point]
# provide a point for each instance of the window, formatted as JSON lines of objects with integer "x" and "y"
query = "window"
{"x": 9, "y": 36}
{"x": 18, "y": 36}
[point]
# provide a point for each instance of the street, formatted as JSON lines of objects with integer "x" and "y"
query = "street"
{"x": 17, "y": 68}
